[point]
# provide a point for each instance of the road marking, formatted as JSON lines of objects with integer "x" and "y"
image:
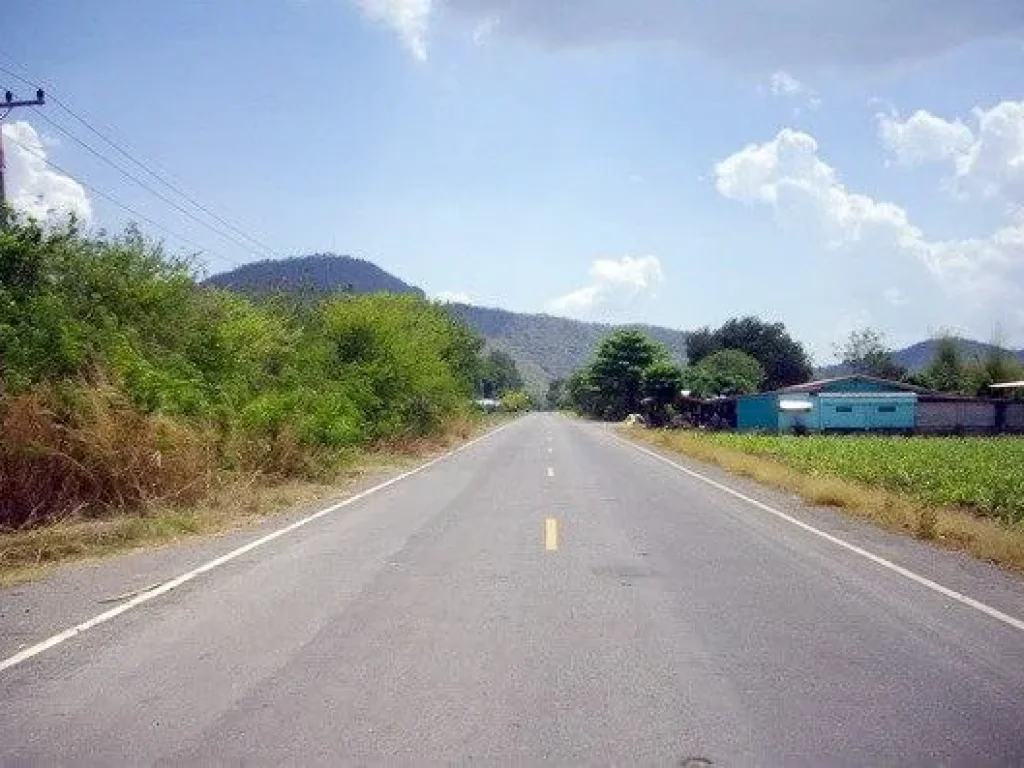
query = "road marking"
{"x": 551, "y": 534}
{"x": 888, "y": 564}
{"x": 550, "y": 449}
{"x": 551, "y": 471}
{"x": 184, "y": 578}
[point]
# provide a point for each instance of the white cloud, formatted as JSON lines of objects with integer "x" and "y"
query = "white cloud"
{"x": 784, "y": 84}
{"x": 409, "y": 18}
{"x": 453, "y": 297}
{"x": 33, "y": 188}
{"x": 987, "y": 161}
{"x": 788, "y": 175}
{"x": 994, "y": 164}
{"x": 758, "y": 34}
{"x": 614, "y": 284}
{"x": 896, "y": 297}
{"x": 923, "y": 138}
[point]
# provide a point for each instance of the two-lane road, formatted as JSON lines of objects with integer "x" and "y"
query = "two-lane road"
{"x": 548, "y": 595}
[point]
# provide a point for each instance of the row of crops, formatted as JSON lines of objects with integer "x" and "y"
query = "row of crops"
{"x": 984, "y": 474}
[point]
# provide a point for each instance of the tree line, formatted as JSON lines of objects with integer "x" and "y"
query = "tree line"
{"x": 631, "y": 373}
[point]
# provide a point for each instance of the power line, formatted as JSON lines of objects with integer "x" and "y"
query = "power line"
{"x": 156, "y": 193}
{"x": 175, "y": 188}
{"x": 119, "y": 204}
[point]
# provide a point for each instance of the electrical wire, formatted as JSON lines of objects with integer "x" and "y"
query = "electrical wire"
{"x": 129, "y": 175}
{"x": 175, "y": 188}
{"x": 110, "y": 198}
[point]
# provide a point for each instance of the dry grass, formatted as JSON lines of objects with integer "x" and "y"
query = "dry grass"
{"x": 958, "y": 529}
{"x": 230, "y": 503}
{"x": 68, "y": 453}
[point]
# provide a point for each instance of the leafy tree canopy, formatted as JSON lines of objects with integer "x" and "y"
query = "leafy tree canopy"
{"x": 865, "y": 352}
{"x": 726, "y": 372}
{"x": 783, "y": 359}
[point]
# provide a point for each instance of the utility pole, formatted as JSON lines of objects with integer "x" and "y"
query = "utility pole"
{"x": 6, "y": 106}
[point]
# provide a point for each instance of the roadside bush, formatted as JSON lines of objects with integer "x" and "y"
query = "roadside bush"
{"x": 123, "y": 380}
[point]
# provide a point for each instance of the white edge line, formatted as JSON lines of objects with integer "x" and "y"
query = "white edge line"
{"x": 184, "y": 578}
{"x": 905, "y": 572}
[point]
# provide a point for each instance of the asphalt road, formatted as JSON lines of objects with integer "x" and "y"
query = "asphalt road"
{"x": 549, "y": 595}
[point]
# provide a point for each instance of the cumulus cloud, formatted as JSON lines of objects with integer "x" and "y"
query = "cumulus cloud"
{"x": 788, "y": 175}
{"x": 409, "y": 18}
{"x": 453, "y": 297}
{"x": 923, "y": 138}
{"x": 763, "y": 34}
{"x": 987, "y": 161}
{"x": 614, "y": 285}
{"x": 33, "y": 188}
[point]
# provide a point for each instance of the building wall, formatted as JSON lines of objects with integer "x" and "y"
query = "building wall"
{"x": 757, "y": 412}
{"x": 950, "y": 416}
{"x": 1014, "y": 417}
{"x": 867, "y": 413}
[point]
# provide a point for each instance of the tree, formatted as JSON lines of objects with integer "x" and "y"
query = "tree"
{"x": 946, "y": 372}
{"x": 997, "y": 365}
{"x": 783, "y": 359}
{"x": 557, "y": 395}
{"x": 662, "y": 382}
{"x": 497, "y": 375}
{"x": 617, "y": 372}
{"x": 726, "y": 372}
{"x": 865, "y": 352}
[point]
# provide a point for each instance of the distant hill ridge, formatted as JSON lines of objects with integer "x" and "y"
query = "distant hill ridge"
{"x": 319, "y": 273}
{"x": 544, "y": 347}
{"x": 918, "y": 356}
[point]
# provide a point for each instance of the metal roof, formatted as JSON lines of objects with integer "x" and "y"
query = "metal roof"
{"x": 817, "y": 386}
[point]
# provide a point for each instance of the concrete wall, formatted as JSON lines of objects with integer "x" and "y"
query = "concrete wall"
{"x": 1014, "y": 417}
{"x": 952, "y": 416}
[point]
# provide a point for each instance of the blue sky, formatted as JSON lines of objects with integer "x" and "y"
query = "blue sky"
{"x": 828, "y": 163}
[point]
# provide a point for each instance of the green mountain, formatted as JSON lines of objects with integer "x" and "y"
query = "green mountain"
{"x": 318, "y": 274}
{"x": 544, "y": 347}
{"x": 547, "y": 347}
{"x": 916, "y": 357}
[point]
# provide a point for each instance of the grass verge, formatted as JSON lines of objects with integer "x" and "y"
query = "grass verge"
{"x": 29, "y": 554}
{"x": 952, "y": 528}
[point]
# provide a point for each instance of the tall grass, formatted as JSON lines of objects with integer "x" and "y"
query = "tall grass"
{"x": 125, "y": 383}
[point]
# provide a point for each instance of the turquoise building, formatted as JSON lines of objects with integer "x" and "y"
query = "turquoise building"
{"x": 843, "y": 404}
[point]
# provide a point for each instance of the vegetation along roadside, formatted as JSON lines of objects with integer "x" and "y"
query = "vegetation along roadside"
{"x": 138, "y": 405}
{"x": 965, "y": 493}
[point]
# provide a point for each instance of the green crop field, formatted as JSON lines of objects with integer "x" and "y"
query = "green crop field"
{"x": 982, "y": 474}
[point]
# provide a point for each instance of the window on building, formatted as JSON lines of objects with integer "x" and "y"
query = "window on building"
{"x": 887, "y": 409}
{"x": 844, "y": 409}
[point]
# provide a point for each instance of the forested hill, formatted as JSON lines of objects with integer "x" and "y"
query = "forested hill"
{"x": 544, "y": 347}
{"x": 917, "y": 357}
{"x": 553, "y": 346}
{"x": 320, "y": 273}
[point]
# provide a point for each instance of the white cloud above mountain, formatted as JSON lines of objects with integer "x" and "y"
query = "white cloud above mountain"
{"x": 615, "y": 284}
{"x": 35, "y": 189}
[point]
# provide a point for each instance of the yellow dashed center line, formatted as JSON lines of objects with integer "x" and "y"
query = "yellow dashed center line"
{"x": 551, "y": 534}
